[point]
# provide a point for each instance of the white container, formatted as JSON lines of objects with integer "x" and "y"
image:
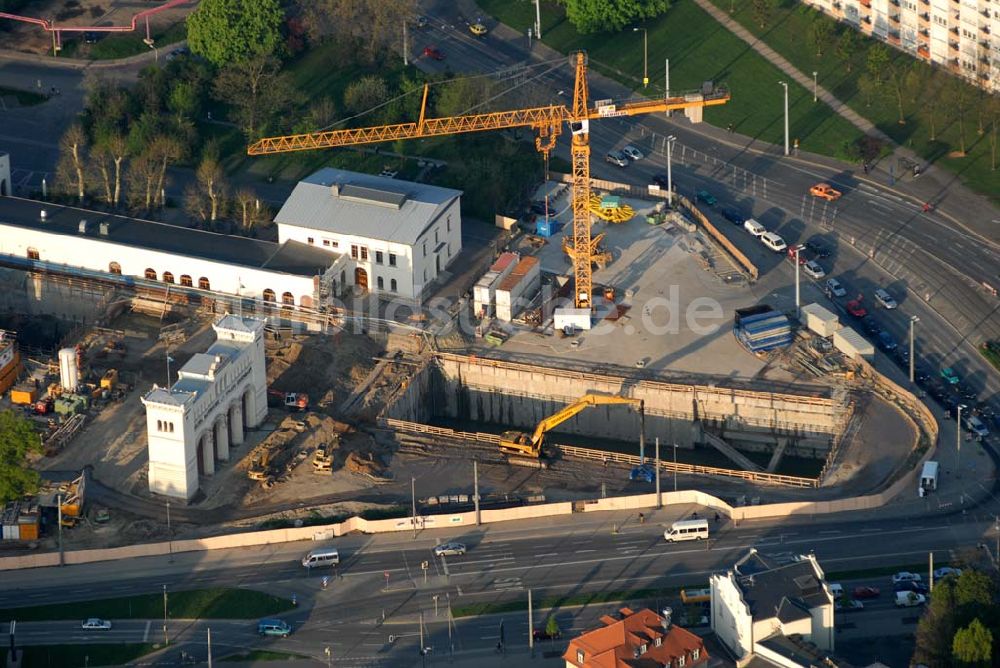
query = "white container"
{"x": 483, "y": 293}
{"x": 820, "y": 320}
{"x": 577, "y": 318}
{"x": 852, "y": 344}
{"x": 69, "y": 375}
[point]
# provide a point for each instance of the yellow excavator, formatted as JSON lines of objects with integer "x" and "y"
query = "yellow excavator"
{"x": 530, "y": 445}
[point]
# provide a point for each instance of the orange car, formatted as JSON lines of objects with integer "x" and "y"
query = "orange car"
{"x": 825, "y": 191}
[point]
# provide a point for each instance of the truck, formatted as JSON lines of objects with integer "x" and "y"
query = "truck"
{"x": 909, "y": 599}
{"x": 293, "y": 401}
{"x": 928, "y": 478}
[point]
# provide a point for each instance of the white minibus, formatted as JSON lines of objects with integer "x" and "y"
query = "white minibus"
{"x": 687, "y": 530}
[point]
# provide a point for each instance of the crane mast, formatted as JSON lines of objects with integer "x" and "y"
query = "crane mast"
{"x": 547, "y": 122}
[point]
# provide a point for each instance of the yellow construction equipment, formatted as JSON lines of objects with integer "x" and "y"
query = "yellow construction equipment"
{"x": 618, "y": 213}
{"x": 261, "y": 468}
{"x": 520, "y": 443}
{"x": 546, "y": 121}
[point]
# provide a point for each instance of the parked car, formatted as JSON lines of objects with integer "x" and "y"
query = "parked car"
{"x": 950, "y": 376}
{"x": 870, "y": 325}
{"x": 753, "y": 227}
{"x": 907, "y": 599}
{"x": 803, "y": 258}
{"x": 433, "y": 53}
{"x": 819, "y": 247}
{"x": 813, "y": 270}
{"x": 945, "y": 571}
{"x": 915, "y": 587}
{"x": 643, "y": 472}
{"x": 273, "y": 627}
{"x": 773, "y": 241}
{"x": 616, "y": 158}
{"x": 542, "y": 634}
{"x": 966, "y": 392}
{"x": 661, "y": 180}
{"x": 422, "y": 21}
{"x": 733, "y": 215}
{"x": 449, "y": 549}
{"x": 905, "y": 576}
{"x": 96, "y": 624}
{"x": 976, "y": 426}
{"x": 884, "y": 298}
{"x": 866, "y": 592}
{"x": 478, "y": 29}
{"x": 855, "y": 308}
{"x": 632, "y": 152}
{"x": 902, "y": 356}
{"x": 825, "y": 191}
{"x": 835, "y": 287}
{"x": 706, "y": 197}
{"x": 848, "y": 605}
{"x": 886, "y": 342}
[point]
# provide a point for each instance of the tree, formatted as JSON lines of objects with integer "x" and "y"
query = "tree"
{"x": 210, "y": 179}
{"x": 463, "y": 96}
{"x": 184, "y": 100}
{"x": 73, "y": 146}
{"x": 376, "y": 25}
{"x": 868, "y": 88}
{"x": 590, "y": 16}
{"x": 973, "y": 645}
{"x": 821, "y": 31}
{"x": 931, "y": 104}
{"x": 165, "y": 149}
{"x": 847, "y": 46}
{"x": 936, "y": 629}
{"x": 877, "y": 61}
{"x": 959, "y": 97}
{"x": 320, "y": 115}
{"x": 142, "y": 180}
{"x": 365, "y": 94}
{"x": 230, "y": 31}
{"x": 974, "y": 589}
{"x": 17, "y": 440}
{"x": 902, "y": 79}
{"x": 762, "y": 10}
{"x": 257, "y": 91}
{"x": 252, "y": 212}
{"x": 552, "y": 627}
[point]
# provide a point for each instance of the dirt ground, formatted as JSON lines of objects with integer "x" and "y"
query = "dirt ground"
{"x": 33, "y": 39}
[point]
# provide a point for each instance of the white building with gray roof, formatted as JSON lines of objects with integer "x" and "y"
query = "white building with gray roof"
{"x": 399, "y": 237}
{"x": 219, "y": 393}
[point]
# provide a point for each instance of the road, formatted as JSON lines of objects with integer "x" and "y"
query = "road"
{"x": 501, "y": 565}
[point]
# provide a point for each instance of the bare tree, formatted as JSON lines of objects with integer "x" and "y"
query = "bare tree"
{"x": 253, "y": 213}
{"x": 74, "y": 146}
{"x": 166, "y": 150}
{"x": 142, "y": 180}
{"x": 210, "y": 182}
{"x": 257, "y": 91}
{"x": 117, "y": 146}
{"x": 821, "y": 32}
{"x": 378, "y": 24}
{"x": 104, "y": 163}
{"x": 959, "y": 97}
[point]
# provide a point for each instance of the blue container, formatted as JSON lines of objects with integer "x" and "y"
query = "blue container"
{"x": 546, "y": 227}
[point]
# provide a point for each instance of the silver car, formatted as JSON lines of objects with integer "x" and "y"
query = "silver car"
{"x": 835, "y": 287}
{"x": 632, "y": 152}
{"x": 812, "y": 268}
{"x": 617, "y": 158}
{"x": 449, "y": 549}
{"x": 884, "y": 298}
{"x": 98, "y": 624}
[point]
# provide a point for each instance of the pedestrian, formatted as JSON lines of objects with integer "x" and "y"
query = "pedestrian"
{"x": 926, "y": 207}
{"x": 717, "y": 518}
{"x": 642, "y": 518}
{"x": 295, "y": 600}
{"x": 729, "y": 128}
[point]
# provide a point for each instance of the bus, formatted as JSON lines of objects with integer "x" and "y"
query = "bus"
{"x": 686, "y": 530}
{"x": 696, "y": 595}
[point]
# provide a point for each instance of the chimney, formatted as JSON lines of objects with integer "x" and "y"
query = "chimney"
{"x": 103, "y": 227}
{"x": 82, "y": 227}
{"x": 668, "y": 614}
{"x": 335, "y": 189}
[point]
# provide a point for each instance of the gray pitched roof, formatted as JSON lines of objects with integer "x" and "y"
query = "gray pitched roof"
{"x": 776, "y": 590}
{"x": 364, "y": 205}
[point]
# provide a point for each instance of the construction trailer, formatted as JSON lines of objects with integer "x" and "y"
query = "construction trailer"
{"x": 820, "y": 320}
{"x": 761, "y": 328}
{"x": 484, "y": 291}
{"x": 852, "y": 344}
{"x": 515, "y": 291}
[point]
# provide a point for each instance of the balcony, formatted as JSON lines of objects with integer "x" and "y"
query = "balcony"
{"x": 924, "y": 35}
{"x": 924, "y": 52}
{"x": 866, "y": 3}
{"x": 985, "y": 29}
{"x": 894, "y": 18}
{"x": 924, "y": 20}
{"x": 893, "y": 39}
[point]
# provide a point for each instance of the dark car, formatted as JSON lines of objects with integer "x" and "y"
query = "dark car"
{"x": 966, "y": 392}
{"x": 92, "y": 37}
{"x": 661, "y": 180}
{"x": 921, "y": 373}
{"x": 871, "y": 325}
{"x": 915, "y": 587}
{"x": 433, "y": 53}
{"x": 542, "y": 634}
{"x": 819, "y": 247}
{"x": 902, "y": 356}
{"x": 848, "y": 605}
{"x": 706, "y": 197}
{"x": 886, "y": 342}
{"x": 733, "y": 215}
{"x": 866, "y": 592}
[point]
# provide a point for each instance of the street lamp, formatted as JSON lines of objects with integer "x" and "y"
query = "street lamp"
{"x": 798, "y": 301}
{"x": 958, "y": 435}
{"x": 326, "y": 650}
{"x": 645, "y": 55}
{"x": 666, "y": 80}
{"x": 815, "y": 74}
{"x": 670, "y": 175}
{"x": 785, "y": 85}
{"x": 913, "y": 320}
{"x": 166, "y": 639}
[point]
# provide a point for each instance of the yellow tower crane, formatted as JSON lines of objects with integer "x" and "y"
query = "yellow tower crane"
{"x": 546, "y": 121}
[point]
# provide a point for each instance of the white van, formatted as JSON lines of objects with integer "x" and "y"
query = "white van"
{"x": 327, "y": 556}
{"x": 773, "y": 241}
{"x": 836, "y": 590}
{"x": 753, "y": 227}
{"x": 686, "y": 530}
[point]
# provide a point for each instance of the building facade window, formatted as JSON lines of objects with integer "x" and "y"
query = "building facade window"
{"x": 392, "y": 284}
{"x": 150, "y": 274}
{"x": 326, "y": 242}
{"x": 269, "y": 295}
{"x": 436, "y": 237}
{"x": 203, "y": 284}
{"x": 392, "y": 259}
{"x": 310, "y": 240}
{"x": 186, "y": 281}
{"x": 680, "y": 661}
{"x": 378, "y": 257}
{"x": 168, "y": 277}
{"x": 579, "y": 656}
{"x": 695, "y": 653}
{"x": 449, "y": 249}
{"x": 288, "y": 299}
{"x": 354, "y": 251}
{"x": 364, "y": 252}
{"x": 33, "y": 254}
{"x": 425, "y": 274}
{"x": 380, "y": 282}
{"x": 115, "y": 268}
{"x": 425, "y": 248}
{"x": 448, "y": 223}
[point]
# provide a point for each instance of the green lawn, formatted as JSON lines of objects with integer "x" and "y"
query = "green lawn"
{"x": 564, "y": 600}
{"x": 24, "y": 98}
{"x": 699, "y": 49}
{"x": 128, "y": 44}
{"x": 788, "y": 33}
{"x": 263, "y": 655}
{"x": 74, "y": 656}
{"x": 195, "y": 604}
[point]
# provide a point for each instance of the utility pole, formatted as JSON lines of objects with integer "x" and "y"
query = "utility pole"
{"x": 166, "y": 639}
{"x": 538, "y": 21}
{"x": 798, "y": 299}
{"x": 645, "y": 55}
{"x": 170, "y": 538}
{"x": 59, "y": 513}
{"x": 659, "y": 500}
{"x": 210, "y": 647}
{"x": 642, "y": 432}
{"x": 666, "y": 76}
{"x": 670, "y": 175}
{"x": 815, "y": 84}
{"x": 413, "y": 501}
{"x": 406, "y": 60}
{"x": 958, "y": 436}
{"x": 913, "y": 320}
{"x": 930, "y": 570}
{"x": 475, "y": 477}
{"x": 785, "y": 85}
{"x": 675, "y": 466}
{"x": 531, "y": 628}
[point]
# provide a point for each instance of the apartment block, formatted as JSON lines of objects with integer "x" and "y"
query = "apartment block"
{"x": 962, "y": 36}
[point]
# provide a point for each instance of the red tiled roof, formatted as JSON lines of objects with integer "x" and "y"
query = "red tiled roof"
{"x": 615, "y": 644}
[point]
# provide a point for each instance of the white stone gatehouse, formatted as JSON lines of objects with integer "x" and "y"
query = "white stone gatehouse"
{"x": 218, "y": 395}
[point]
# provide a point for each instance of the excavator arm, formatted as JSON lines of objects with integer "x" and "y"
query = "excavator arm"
{"x": 521, "y": 443}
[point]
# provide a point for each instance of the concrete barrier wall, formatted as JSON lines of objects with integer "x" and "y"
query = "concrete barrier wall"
{"x": 719, "y": 237}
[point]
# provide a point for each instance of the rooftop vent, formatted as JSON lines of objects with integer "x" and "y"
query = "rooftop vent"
{"x": 42, "y": 215}
{"x": 667, "y": 614}
{"x": 103, "y": 227}
{"x": 82, "y": 227}
{"x": 335, "y": 189}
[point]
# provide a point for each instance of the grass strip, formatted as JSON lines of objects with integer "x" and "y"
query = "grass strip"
{"x": 878, "y": 571}
{"x": 216, "y": 603}
{"x": 23, "y": 97}
{"x": 67, "y": 656}
{"x": 565, "y": 600}
{"x": 991, "y": 351}
{"x": 263, "y": 655}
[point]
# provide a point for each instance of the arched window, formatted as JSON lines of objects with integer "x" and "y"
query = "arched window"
{"x": 115, "y": 268}
{"x": 306, "y": 301}
{"x": 168, "y": 277}
{"x": 186, "y": 281}
{"x": 380, "y": 282}
{"x": 269, "y": 295}
{"x": 392, "y": 284}
{"x": 288, "y": 298}
{"x": 151, "y": 274}
{"x": 33, "y": 254}
{"x": 203, "y": 283}
{"x": 159, "y": 425}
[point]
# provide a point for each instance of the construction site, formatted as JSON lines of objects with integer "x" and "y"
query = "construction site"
{"x": 609, "y": 340}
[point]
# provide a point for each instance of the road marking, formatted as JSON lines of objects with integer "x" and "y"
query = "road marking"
{"x": 872, "y": 529}
{"x": 831, "y": 531}
{"x": 547, "y": 554}
{"x": 145, "y": 636}
{"x": 582, "y": 551}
